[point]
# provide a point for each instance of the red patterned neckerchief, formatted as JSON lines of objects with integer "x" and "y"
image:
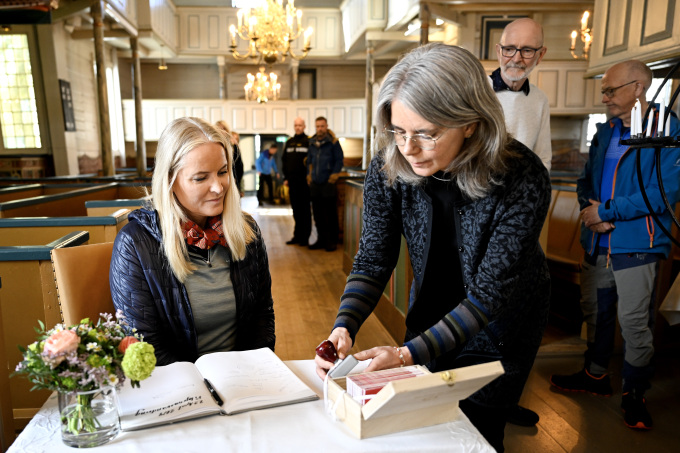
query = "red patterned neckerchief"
{"x": 204, "y": 239}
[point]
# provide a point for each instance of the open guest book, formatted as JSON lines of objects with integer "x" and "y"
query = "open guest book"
{"x": 243, "y": 380}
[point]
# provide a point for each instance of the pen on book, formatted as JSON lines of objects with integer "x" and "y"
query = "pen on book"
{"x": 213, "y": 393}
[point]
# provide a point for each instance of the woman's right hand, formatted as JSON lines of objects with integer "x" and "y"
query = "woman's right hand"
{"x": 342, "y": 342}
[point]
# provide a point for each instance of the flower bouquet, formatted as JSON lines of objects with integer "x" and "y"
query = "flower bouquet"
{"x": 84, "y": 363}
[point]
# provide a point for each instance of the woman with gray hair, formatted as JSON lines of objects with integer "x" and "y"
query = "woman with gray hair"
{"x": 190, "y": 272}
{"x": 470, "y": 202}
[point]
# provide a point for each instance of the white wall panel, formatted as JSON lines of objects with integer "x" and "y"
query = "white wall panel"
{"x": 548, "y": 81}
{"x": 259, "y": 115}
{"x": 280, "y": 119}
{"x": 356, "y": 120}
{"x": 338, "y": 121}
{"x": 345, "y": 117}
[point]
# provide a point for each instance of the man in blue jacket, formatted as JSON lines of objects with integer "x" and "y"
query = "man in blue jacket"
{"x": 623, "y": 245}
{"x": 266, "y": 166}
{"x": 324, "y": 162}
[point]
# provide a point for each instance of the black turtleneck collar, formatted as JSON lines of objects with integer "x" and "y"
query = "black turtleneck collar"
{"x": 500, "y": 85}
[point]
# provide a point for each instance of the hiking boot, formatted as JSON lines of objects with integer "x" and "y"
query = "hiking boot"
{"x": 583, "y": 381}
{"x": 635, "y": 413}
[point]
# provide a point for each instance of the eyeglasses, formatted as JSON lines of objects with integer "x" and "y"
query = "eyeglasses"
{"x": 525, "y": 52}
{"x": 611, "y": 92}
{"x": 422, "y": 141}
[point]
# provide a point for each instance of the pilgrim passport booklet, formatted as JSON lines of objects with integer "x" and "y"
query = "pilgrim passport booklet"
{"x": 241, "y": 380}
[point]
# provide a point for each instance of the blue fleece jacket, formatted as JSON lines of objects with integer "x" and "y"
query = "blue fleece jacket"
{"x": 635, "y": 230}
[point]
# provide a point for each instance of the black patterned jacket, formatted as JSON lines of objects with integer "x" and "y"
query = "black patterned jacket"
{"x": 504, "y": 268}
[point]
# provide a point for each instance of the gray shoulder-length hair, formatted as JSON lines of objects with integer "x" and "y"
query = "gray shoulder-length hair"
{"x": 447, "y": 86}
{"x": 179, "y": 138}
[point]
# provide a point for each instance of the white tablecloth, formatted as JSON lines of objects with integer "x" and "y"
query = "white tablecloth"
{"x": 297, "y": 428}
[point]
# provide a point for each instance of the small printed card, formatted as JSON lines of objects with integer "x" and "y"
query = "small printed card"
{"x": 362, "y": 387}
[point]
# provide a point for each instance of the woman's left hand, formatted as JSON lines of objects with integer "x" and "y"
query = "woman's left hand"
{"x": 385, "y": 357}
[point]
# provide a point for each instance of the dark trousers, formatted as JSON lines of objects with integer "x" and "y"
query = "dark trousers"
{"x": 265, "y": 179}
{"x": 489, "y": 421}
{"x": 300, "y": 198}
{"x": 325, "y": 210}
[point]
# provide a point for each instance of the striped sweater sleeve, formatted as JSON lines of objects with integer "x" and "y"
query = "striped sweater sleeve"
{"x": 361, "y": 295}
{"x": 456, "y": 328}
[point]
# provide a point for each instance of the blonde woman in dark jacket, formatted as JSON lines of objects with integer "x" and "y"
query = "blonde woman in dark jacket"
{"x": 191, "y": 272}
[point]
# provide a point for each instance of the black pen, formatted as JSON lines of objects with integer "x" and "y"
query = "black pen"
{"x": 213, "y": 392}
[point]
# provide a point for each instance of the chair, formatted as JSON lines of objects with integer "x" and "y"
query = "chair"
{"x": 82, "y": 277}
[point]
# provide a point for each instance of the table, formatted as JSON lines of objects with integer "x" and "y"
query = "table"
{"x": 297, "y": 428}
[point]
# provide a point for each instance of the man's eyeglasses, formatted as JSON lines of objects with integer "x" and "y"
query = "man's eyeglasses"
{"x": 422, "y": 141}
{"x": 611, "y": 92}
{"x": 525, "y": 52}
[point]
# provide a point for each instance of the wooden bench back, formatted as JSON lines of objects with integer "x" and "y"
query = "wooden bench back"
{"x": 38, "y": 230}
{"x": 29, "y": 294}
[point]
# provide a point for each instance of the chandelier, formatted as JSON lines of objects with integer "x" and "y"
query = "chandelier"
{"x": 586, "y": 38}
{"x": 270, "y": 30}
{"x": 261, "y": 89}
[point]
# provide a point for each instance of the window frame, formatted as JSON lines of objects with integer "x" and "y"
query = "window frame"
{"x": 38, "y": 86}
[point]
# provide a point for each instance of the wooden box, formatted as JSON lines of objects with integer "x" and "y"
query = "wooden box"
{"x": 410, "y": 403}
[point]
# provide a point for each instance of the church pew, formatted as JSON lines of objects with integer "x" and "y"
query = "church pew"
{"x": 564, "y": 251}
{"x": 70, "y": 202}
{"x": 14, "y": 231}
{"x": 28, "y": 294}
{"x": 106, "y": 207}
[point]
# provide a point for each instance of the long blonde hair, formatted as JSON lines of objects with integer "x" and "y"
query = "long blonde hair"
{"x": 179, "y": 138}
{"x": 447, "y": 86}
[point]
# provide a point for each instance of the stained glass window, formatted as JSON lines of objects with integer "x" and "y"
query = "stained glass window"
{"x": 18, "y": 111}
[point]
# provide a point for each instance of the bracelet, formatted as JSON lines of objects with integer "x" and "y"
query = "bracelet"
{"x": 401, "y": 355}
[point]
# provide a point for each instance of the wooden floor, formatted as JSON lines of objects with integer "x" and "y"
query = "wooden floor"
{"x": 307, "y": 285}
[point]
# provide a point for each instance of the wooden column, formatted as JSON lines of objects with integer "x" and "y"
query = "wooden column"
{"x": 140, "y": 150}
{"x": 294, "y": 81}
{"x": 368, "y": 133}
{"x": 224, "y": 94}
{"x": 100, "y": 63}
{"x": 424, "y": 23}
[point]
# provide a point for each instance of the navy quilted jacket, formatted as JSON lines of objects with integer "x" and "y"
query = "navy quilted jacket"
{"x": 157, "y": 305}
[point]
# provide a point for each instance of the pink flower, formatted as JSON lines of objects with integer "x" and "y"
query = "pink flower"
{"x": 125, "y": 342}
{"x": 61, "y": 343}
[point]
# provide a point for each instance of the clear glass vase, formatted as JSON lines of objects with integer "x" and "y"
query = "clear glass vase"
{"x": 89, "y": 419}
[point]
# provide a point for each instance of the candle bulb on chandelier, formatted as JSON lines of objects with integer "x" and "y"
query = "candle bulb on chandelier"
{"x": 584, "y": 20}
{"x": 308, "y": 35}
{"x": 573, "y": 40}
{"x": 659, "y": 120}
{"x": 252, "y": 23}
{"x": 650, "y": 120}
{"x": 232, "y": 31}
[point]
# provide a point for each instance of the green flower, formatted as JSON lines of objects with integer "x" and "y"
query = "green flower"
{"x": 139, "y": 361}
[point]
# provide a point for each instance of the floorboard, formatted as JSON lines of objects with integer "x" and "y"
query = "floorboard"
{"x": 307, "y": 285}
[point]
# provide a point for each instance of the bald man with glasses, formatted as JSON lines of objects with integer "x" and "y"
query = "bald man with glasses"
{"x": 623, "y": 245}
{"x": 527, "y": 115}
{"x": 526, "y": 108}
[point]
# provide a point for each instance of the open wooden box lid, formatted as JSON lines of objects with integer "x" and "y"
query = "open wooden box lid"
{"x": 446, "y": 387}
{"x": 409, "y": 403}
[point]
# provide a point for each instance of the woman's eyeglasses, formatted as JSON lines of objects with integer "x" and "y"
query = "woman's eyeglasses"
{"x": 422, "y": 141}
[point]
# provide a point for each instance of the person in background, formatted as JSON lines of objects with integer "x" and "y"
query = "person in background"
{"x": 324, "y": 163}
{"x": 527, "y": 116}
{"x": 470, "y": 202}
{"x": 295, "y": 176}
{"x": 623, "y": 245}
{"x": 266, "y": 166}
{"x": 238, "y": 162}
{"x": 190, "y": 272}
